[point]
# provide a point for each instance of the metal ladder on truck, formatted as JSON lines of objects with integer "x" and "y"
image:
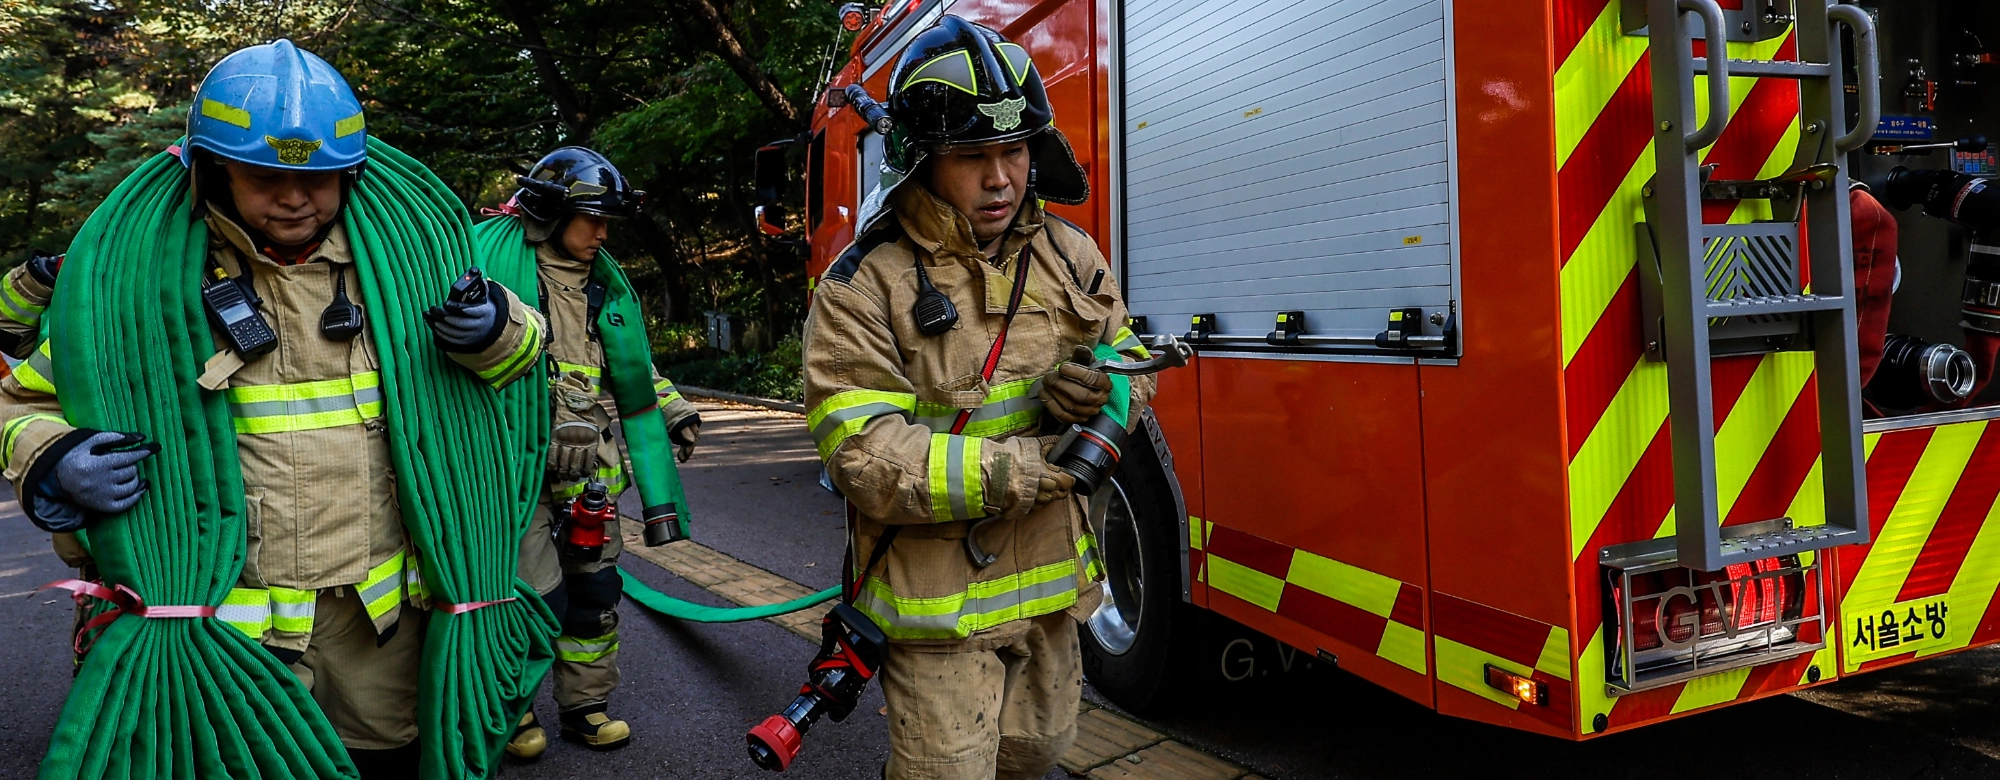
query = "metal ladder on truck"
{"x": 1737, "y": 289}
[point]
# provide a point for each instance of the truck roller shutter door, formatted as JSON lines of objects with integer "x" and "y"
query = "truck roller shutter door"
{"x": 1287, "y": 157}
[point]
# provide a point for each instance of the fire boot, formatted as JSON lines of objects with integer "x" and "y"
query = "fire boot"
{"x": 589, "y": 726}
{"x": 529, "y": 739}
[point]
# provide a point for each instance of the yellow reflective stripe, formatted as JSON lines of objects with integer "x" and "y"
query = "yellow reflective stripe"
{"x": 1245, "y": 583}
{"x": 38, "y": 370}
{"x": 15, "y": 427}
{"x": 349, "y": 126}
{"x": 666, "y": 391}
{"x": 306, "y": 406}
{"x": 1086, "y": 552}
{"x": 843, "y": 415}
{"x": 384, "y": 586}
{"x": 1007, "y": 407}
{"x": 972, "y": 476}
{"x": 413, "y": 582}
{"x": 1352, "y": 585}
{"x": 583, "y": 651}
{"x": 1403, "y": 646}
{"x": 523, "y": 356}
{"x": 613, "y": 478}
{"x": 292, "y": 610}
{"x": 247, "y": 610}
{"x": 1125, "y": 341}
{"x": 304, "y": 391}
{"x": 919, "y": 77}
{"x": 957, "y": 490}
{"x": 14, "y": 305}
{"x": 590, "y": 371}
{"x": 225, "y": 112}
{"x": 983, "y": 605}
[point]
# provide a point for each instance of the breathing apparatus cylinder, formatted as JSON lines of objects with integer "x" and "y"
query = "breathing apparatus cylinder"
{"x": 1915, "y": 372}
{"x": 581, "y": 535}
{"x": 851, "y": 650}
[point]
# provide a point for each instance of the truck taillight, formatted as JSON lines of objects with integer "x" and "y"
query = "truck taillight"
{"x": 1527, "y": 689}
{"x": 1665, "y": 623}
{"x": 1683, "y": 612}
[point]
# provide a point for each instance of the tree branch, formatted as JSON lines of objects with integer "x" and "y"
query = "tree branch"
{"x": 502, "y": 42}
{"x": 729, "y": 46}
{"x": 574, "y": 114}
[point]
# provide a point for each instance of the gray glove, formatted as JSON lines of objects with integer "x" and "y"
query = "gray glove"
{"x": 100, "y": 474}
{"x": 462, "y": 324}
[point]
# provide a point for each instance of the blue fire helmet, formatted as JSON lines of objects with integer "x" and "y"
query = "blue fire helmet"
{"x": 278, "y": 106}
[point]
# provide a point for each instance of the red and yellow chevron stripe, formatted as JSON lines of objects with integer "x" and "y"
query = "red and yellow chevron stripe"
{"x": 1468, "y": 636}
{"x": 1621, "y": 470}
{"x": 1926, "y": 584}
{"x": 1376, "y": 613}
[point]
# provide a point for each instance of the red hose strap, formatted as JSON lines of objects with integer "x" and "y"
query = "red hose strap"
{"x": 124, "y": 601}
{"x": 512, "y": 208}
{"x": 460, "y": 609}
{"x": 1000, "y": 343}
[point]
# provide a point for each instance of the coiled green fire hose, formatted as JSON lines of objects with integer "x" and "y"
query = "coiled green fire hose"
{"x": 193, "y": 697}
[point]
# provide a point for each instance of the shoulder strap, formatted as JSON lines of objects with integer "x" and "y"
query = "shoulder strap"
{"x": 1021, "y": 263}
{"x": 1058, "y": 247}
{"x": 874, "y": 557}
{"x": 593, "y": 296}
{"x": 849, "y": 262}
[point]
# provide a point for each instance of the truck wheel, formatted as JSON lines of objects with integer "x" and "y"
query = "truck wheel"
{"x": 1129, "y": 647}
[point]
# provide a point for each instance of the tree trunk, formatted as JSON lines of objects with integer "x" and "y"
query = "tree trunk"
{"x": 574, "y": 114}
{"x": 34, "y": 207}
{"x": 729, "y": 46}
{"x": 673, "y": 268}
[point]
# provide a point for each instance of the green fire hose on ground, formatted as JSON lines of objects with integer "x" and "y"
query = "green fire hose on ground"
{"x": 503, "y": 242}
{"x": 173, "y": 697}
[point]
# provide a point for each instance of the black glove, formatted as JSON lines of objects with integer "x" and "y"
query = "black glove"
{"x": 43, "y": 267}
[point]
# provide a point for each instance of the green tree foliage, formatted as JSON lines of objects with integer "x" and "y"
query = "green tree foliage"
{"x": 89, "y": 89}
{"x": 679, "y": 93}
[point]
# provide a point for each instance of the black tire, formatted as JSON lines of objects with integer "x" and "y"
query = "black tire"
{"x": 1130, "y": 651}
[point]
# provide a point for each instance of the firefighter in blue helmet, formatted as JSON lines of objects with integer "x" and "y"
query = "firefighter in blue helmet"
{"x": 276, "y": 139}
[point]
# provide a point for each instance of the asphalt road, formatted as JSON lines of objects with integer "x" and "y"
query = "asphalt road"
{"x": 691, "y": 691}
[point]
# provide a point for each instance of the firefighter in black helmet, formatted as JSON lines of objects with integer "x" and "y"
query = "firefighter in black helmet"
{"x": 565, "y": 206}
{"x": 932, "y": 440}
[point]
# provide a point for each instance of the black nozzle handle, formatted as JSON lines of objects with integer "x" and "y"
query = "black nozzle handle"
{"x": 871, "y": 111}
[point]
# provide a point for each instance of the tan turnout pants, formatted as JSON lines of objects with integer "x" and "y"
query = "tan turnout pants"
{"x": 1001, "y": 714}
{"x": 369, "y": 693}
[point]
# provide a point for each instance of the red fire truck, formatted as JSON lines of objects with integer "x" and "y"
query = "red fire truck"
{"x": 1529, "y": 373}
